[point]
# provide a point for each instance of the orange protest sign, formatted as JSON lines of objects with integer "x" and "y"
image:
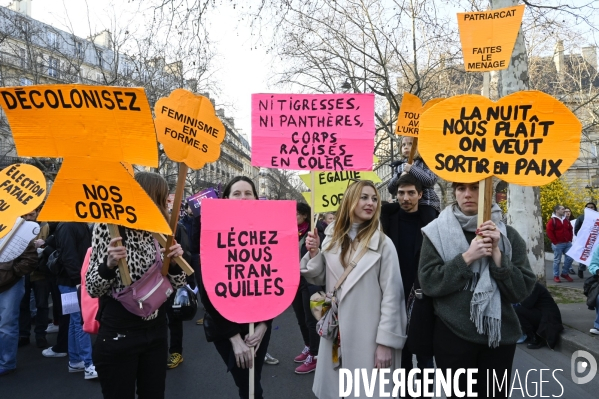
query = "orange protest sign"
{"x": 488, "y": 37}
{"x": 409, "y": 114}
{"x": 527, "y": 138}
{"x": 22, "y": 189}
{"x": 188, "y": 128}
{"x": 92, "y": 190}
{"x": 61, "y": 121}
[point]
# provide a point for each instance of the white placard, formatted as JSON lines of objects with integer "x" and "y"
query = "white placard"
{"x": 70, "y": 303}
{"x": 18, "y": 239}
{"x": 586, "y": 240}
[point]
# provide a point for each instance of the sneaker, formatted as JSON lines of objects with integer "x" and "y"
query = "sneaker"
{"x": 51, "y": 329}
{"x": 268, "y": 359}
{"x": 522, "y": 339}
{"x": 302, "y": 356}
{"x": 50, "y": 353}
{"x": 567, "y": 278}
{"x": 90, "y": 372}
{"x": 308, "y": 366}
{"x": 174, "y": 360}
{"x": 77, "y": 367}
{"x": 594, "y": 331}
{"x": 580, "y": 273}
{"x": 23, "y": 341}
{"x": 571, "y": 271}
{"x": 41, "y": 342}
{"x": 556, "y": 279}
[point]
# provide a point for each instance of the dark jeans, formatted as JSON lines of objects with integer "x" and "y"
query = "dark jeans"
{"x": 175, "y": 327}
{"x": 423, "y": 362}
{"x": 305, "y": 319}
{"x": 41, "y": 292}
{"x": 56, "y": 301}
{"x": 530, "y": 319}
{"x": 242, "y": 376}
{"x": 196, "y": 279}
{"x": 137, "y": 357}
{"x": 452, "y": 352}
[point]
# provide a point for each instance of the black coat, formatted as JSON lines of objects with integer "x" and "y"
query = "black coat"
{"x": 72, "y": 241}
{"x": 390, "y": 224}
{"x": 422, "y": 317}
{"x": 551, "y": 318}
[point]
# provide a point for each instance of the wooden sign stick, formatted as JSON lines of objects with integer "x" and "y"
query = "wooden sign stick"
{"x": 179, "y": 259}
{"x": 485, "y": 186}
{"x": 123, "y": 267}
{"x": 485, "y": 200}
{"x": 253, "y": 368}
{"x": 312, "y": 201}
{"x": 412, "y": 150}
{"x": 175, "y": 212}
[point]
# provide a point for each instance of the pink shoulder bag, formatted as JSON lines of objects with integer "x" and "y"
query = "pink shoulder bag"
{"x": 148, "y": 293}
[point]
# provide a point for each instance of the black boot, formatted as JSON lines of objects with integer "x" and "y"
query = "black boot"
{"x": 536, "y": 342}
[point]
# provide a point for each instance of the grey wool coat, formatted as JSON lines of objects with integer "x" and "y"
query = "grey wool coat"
{"x": 372, "y": 310}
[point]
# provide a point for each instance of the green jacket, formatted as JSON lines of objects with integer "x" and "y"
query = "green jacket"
{"x": 445, "y": 282}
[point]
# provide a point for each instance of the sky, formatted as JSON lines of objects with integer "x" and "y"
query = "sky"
{"x": 240, "y": 69}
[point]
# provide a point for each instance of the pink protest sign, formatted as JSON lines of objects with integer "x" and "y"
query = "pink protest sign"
{"x": 313, "y": 131}
{"x": 250, "y": 259}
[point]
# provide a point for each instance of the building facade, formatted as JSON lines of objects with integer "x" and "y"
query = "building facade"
{"x": 32, "y": 52}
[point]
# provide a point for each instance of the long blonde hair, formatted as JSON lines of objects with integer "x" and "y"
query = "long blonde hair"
{"x": 345, "y": 218}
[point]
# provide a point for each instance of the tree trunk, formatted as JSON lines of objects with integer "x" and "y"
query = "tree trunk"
{"x": 523, "y": 203}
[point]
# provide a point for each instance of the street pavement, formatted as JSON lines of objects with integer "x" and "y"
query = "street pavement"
{"x": 203, "y": 375}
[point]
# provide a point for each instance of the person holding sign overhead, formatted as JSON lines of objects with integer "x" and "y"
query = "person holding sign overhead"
{"x": 429, "y": 205}
{"x": 371, "y": 304}
{"x": 130, "y": 348}
{"x": 232, "y": 340}
{"x": 473, "y": 282}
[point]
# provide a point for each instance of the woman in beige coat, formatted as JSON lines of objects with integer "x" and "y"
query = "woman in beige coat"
{"x": 372, "y": 315}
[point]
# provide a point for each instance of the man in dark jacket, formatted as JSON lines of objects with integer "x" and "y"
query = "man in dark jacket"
{"x": 12, "y": 288}
{"x": 402, "y": 221}
{"x": 72, "y": 241}
{"x": 560, "y": 233}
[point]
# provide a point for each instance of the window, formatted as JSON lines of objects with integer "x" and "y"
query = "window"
{"x": 23, "y": 27}
{"x": 53, "y": 67}
{"x": 127, "y": 68}
{"x": 78, "y": 48}
{"x": 25, "y": 82}
{"x": 52, "y": 39}
{"x": 99, "y": 54}
{"x": 24, "y": 58}
{"x": 99, "y": 78}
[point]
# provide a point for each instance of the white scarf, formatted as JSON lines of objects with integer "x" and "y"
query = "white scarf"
{"x": 448, "y": 238}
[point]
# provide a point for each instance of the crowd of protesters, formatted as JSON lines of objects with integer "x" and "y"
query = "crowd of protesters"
{"x": 411, "y": 282}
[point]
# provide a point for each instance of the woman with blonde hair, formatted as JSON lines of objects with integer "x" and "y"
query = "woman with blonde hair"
{"x": 371, "y": 309}
{"x": 130, "y": 349}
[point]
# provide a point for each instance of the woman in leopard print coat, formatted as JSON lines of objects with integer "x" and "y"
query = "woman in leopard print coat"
{"x": 130, "y": 348}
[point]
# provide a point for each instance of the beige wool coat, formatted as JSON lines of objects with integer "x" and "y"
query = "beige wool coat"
{"x": 371, "y": 311}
